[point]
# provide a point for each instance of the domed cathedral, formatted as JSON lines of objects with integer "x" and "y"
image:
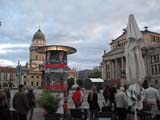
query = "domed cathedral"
{"x": 32, "y": 76}
{"x": 37, "y": 58}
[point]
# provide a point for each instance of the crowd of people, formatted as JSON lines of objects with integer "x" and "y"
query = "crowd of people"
{"x": 23, "y": 103}
{"x": 118, "y": 100}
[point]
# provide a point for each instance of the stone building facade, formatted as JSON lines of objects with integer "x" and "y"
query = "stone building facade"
{"x": 31, "y": 74}
{"x": 7, "y": 76}
{"x": 113, "y": 63}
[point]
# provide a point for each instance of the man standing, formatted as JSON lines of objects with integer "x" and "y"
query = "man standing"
{"x": 31, "y": 98}
{"x": 151, "y": 97}
{"x": 106, "y": 94}
{"x": 21, "y": 103}
{"x": 121, "y": 103}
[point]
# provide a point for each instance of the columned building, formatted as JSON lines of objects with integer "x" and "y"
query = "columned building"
{"x": 113, "y": 63}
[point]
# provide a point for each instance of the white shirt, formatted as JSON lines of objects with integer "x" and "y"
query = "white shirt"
{"x": 121, "y": 100}
{"x": 151, "y": 95}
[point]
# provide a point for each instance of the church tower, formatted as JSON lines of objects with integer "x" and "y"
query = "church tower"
{"x": 37, "y": 58}
{"x": 32, "y": 76}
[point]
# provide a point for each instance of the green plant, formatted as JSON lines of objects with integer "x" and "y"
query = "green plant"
{"x": 95, "y": 74}
{"x": 80, "y": 82}
{"x": 49, "y": 101}
{"x": 70, "y": 82}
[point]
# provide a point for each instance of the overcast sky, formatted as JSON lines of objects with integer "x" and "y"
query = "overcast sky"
{"x": 87, "y": 25}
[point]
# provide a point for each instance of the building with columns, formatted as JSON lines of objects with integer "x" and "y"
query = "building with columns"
{"x": 113, "y": 62}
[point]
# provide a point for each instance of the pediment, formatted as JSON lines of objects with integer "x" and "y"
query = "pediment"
{"x": 115, "y": 52}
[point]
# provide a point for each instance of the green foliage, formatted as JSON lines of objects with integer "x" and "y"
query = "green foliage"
{"x": 70, "y": 82}
{"x": 80, "y": 82}
{"x": 49, "y": 101}
{"x": 95, "y": 74}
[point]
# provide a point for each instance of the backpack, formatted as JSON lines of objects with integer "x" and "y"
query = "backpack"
{"x": 77, "y": 98}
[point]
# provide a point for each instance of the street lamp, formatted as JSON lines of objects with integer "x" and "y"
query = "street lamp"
{"x": 41, "y": 68}
{"x": 19, "y": 72}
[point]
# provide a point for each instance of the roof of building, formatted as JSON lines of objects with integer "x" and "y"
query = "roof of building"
{"x": 115, "y": 51}
{"x": 39, "y": 35}
{"x": 145, "y": 31}
{"x": 7, "y": 69}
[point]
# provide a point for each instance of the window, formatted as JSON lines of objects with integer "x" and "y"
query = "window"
{"x": 159, "y": 68}
{"x": 25, "y": 76}
{"x": 152, "y": 68}
{"x": 154, "y": 38}
{"x": 156, "y": 82}
{"x": 32, "y": 76}
{"x": 152, "y": 59}
{"x": 36, "y": 57}
{"x": 25, "y": 83}
{"x": 37, "y": 76}
{"x": 157, "y": 57}
{"x": 37, "y": 84}
{"x": 155, "y": 60}
{"x": 31, "y": 83}
{"x": 156, "y": 70}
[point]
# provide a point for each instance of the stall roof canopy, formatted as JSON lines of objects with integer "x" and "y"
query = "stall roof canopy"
{"x": 96, "y": 79}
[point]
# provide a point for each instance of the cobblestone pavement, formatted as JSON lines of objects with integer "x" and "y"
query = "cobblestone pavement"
{"x": 38, "y": 112}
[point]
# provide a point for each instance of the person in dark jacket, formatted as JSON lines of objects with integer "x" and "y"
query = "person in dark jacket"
{"x": 106, "y": 94}
{"x": 21, "y": 103}
{"x": 8, "y": 94}
{"x": 31, "y": 98}
{"x": 4, "y": 106}
{"x": 112, "y": 92}
{"x": 93, "y": 102}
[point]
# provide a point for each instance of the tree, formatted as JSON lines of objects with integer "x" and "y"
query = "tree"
{"x": 95, "y": 74}
{"x": 79, "y": 82}
{"x": 70, "y": 82}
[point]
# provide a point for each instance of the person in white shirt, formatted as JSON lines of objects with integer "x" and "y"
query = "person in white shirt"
{"x": 151, "y": 97}
{"x": 121, "y": 103}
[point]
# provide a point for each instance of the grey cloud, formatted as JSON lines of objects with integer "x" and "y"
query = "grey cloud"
{"x": 74, "y": 23}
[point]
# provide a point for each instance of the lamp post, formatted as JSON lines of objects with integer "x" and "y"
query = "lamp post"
{"x": 19, "y": 72}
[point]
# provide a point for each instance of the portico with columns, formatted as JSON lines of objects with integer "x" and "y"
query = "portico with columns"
{"x": 113, "y": 62}
{"x": 114, "y": 65}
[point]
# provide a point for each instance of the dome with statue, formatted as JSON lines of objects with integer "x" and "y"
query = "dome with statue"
{"x": 39, "y": 35}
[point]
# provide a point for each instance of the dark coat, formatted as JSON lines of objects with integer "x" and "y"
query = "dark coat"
{"x": 106, "y": 94}
{"x": 21, "y": 103}
{"x": 112, "y": 92}
{"x": 31, "y": 98}
{"x": 93, "y": 104}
